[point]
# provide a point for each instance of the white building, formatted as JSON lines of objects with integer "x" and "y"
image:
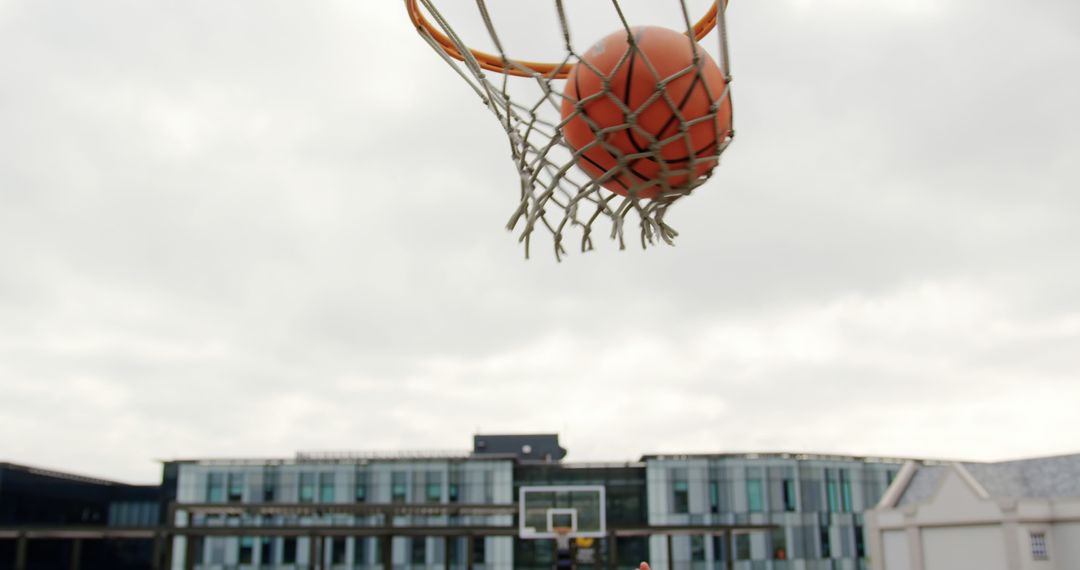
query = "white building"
{"x": 1017, "y": 515}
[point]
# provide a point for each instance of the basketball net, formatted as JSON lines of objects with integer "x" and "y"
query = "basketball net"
{"x": 557, "y": 197}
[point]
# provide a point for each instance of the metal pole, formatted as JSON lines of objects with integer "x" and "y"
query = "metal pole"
{"x": 729, "y": 550}
{"x": 76, "y": 553}
{"x": 670, "y": 553}
{"x": 155, "y": 558}
{"x": 20, "y": 552}
{"x": 167, "y": 562}
{"x": 613, "y": 551}
{"x": 189, "y": 555}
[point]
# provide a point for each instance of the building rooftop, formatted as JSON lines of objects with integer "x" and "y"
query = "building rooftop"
{"x": 528, "y": 448}
{"x": 42, "y": 472}
{"x": 344, "y": 457}
{"x": 1039, "y": 478}
{"x": 790, "y": 455}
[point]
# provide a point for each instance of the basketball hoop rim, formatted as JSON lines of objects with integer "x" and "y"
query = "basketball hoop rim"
{"x": 521, "y": 68}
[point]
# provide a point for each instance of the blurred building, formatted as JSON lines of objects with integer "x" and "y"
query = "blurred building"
{"x": 106, "y": 521}
{"x": 812, "y": 506}
{"x": 446, "y": 510}
{"x": 312, "y": 483}
{"x": 814, "y": 502}
{"x": 1017, "y": 515}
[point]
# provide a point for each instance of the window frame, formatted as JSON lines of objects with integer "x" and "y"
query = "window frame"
{"x": 751, "y": 486}
{"x": 1040, "y": 550}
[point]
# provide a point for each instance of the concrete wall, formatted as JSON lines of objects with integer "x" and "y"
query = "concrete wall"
{"x": 1066, "y": 548}
{"x": 980, "y": 547}
{"x": 1023, "y": 547}
{"x": 897, "y": 555}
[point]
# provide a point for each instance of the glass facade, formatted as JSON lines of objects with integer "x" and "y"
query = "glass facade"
{"x": 813, "y": 501}
{"x": 307, "y": 487}
{"x": 360, "y": 487}
{"x": 236, "y": 487}
{"x": 754, "y": 499}
{"x": 215, "y": 488}
{"x": 326, "y": 487}
{"x": 419, "y": 481}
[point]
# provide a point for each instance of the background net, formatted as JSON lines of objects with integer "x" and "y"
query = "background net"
{"x": 558, "y": 198}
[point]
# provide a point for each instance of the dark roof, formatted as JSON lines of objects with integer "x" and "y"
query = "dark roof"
{"x": 42, "y": 472}
{"x": 923, "y": 484}
{"x": 525, "y": 447}
{"x": 1039, "y": 478}
{"x": 1045, "y": 477}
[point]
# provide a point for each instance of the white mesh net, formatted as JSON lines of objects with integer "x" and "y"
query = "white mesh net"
{"x": 600, "y": 137}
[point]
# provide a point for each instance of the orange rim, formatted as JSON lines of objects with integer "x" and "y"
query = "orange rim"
{"x": 520, "y": 68}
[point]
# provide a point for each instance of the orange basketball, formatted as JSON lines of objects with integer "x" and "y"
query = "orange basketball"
{"x": 649, "y": 133}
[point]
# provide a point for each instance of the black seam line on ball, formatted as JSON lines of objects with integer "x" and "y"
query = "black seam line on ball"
{"x": 626, "y": 98}
{"x": 682, "y": 104}
{"x": 602, "y": 169}
{"x": 630, "y": 167}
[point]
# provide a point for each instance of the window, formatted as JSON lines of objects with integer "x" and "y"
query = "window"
{"x": 1038, "y": 546}
{"x": 779, "y": 544}
{"x": 489, "y": 487}
{"x": 236, "y": 487}
{"x": 754, "y": 501}
{"x": 419, "y": 551}
{"x": 360, "y": 493}
{"x": 398, "y": 487}
{"x": 454, "y": 489}
{"x": 714, "y": 497}
{"x": 269, "y": 485}
{"x": 742, "y": 547}
{"x": 266, "y": 551}
{"x": 337, "y": 550}
{"x": 680, "y": 497}
{"x": 247, "y": 549}
{"x": 845, "y": 491}
{"x": 215, "y": 488}
{"x": 860, "y": 542}
{"x": 326, "y": 488}
{"x": 826, "y": 543}
{"x": 697, "y": 548}
{"x": 479, "y": 549}
{"x": 434, "y": 492}
{"x": 288, "y": 554}
{"x": 360, "y": 551}
{"x": 307, "y": 487}
{"x": 830, "y": 489}
{"x": 718, "y": 546}
{"x": 789, "y": 495}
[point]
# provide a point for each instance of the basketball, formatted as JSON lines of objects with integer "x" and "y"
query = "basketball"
{"x": 630, "y": 136}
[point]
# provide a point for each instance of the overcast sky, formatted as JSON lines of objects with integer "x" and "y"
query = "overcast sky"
{"x": 253, "y": 227}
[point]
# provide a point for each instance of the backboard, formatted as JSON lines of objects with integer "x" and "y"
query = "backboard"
{"x": 580, "y": 508}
